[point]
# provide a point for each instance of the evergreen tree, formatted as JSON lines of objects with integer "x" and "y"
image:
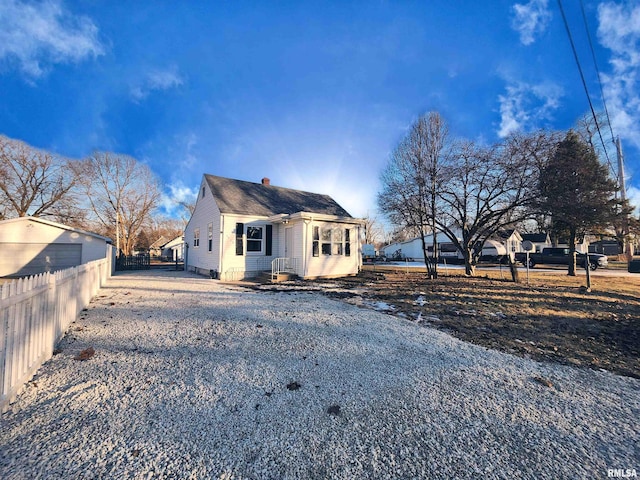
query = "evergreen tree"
{"x": 577, "y": 191}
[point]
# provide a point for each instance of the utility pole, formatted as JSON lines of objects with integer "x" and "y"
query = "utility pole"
{"x": 628, "y": 248}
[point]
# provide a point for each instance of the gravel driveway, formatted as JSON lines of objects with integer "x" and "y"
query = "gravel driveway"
{"x": 192, "y": 378}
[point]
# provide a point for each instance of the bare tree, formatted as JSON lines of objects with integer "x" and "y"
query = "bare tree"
{"x": 121, "y": 193}
{"x": 487, "y": 189}
{"x": 35, "y": 182}
{"x": 187, "y": 210}
{"x": 466, "y": 191}
{"x": 373, "y": 230}
{"x": 412, "y": 181}
{"x": 160, "y": 226}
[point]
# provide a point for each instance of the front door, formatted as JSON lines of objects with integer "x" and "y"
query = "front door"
{"x": 288, "y": 239}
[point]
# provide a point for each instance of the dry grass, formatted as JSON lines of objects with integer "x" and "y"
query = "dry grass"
{"x": 550, "y": 319}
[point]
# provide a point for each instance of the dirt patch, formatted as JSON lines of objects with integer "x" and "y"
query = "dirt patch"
{"x": 551, "y": 319}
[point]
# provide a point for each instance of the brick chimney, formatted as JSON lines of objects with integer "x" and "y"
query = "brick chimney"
{"x": 266, "y": 181}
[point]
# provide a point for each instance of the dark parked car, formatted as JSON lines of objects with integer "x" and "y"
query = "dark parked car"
{"x": 560, "y": 256}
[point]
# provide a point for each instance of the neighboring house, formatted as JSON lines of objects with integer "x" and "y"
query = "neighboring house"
{"x": 492, "y": 249}
{"x": 155, "y": 249}
{"x": 412, "y": 249}
{"x": 174, "y": 249}
{"x": 511, "y": 239}
{"x": 539, "y": 240}
{"x": 31, "y": 245}
{"x": 240, "y": 229}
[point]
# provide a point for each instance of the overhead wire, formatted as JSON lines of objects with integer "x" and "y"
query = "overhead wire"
{"x": 595, "y": 63}
{"x": 584, "y": 83}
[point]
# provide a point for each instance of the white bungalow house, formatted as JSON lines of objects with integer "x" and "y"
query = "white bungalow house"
{"x": 240, "y": 229}
{"x": 32, "y": 245}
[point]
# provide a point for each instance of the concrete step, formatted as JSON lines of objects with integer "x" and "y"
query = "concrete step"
{"x": 266, "y": 277}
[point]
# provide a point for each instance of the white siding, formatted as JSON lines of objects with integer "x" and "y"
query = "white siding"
{"x": 249, "y": 264}
{"x": 331, "y": 265}
{"x": 199, "y": 258}
{"x": 32, "y": 238}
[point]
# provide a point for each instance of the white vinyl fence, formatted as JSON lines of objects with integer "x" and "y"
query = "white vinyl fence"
{"x": 35, "y": 312}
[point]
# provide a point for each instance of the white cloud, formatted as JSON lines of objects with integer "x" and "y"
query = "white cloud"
{"x": 530, "y": 19}
{"x": 178, "y": 194}
{"x": 633, "y": 194}
{"x": 36, "y": 35}
{"x": 157, "y": 80}
{"x": 524, "y": 106}
{"x": 619, "y": 31}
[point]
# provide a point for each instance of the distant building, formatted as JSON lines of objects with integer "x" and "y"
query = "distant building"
{"x": 32, "y": 245}
{"x": 539, "y": 240}
{"x": 174, "y": 249}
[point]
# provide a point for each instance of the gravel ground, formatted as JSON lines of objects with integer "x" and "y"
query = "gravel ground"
{"x": 195, "y": 379}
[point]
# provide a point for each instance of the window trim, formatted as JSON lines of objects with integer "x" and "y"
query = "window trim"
{"x": 326, "y": 245}
{"x": 210, "y": 236}
{"x": 196, "y": 237}
{"x": 331, "y": 239}
{"x": 315, "y": 249}
{"x": 347, "y": 242}
{"x": 262, "y": 229}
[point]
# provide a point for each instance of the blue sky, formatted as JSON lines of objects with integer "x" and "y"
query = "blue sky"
{"x": 313, "y": 95}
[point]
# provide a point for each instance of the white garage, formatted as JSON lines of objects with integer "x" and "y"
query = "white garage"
{"x": 30, "y": 245}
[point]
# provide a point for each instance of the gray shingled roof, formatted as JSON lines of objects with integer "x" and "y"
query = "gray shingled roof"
{"x": 237, "y": 196}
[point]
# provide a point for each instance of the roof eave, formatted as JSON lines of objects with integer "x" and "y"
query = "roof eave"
{"x": 322, "y": 217}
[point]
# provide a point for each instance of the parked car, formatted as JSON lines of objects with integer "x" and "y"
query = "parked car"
{"x": 560, "y": 256}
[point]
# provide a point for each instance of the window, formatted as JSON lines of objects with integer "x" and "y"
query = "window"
{"x": 331, "y": 241}
{"x": 203, "y": 191}
{"x": 239, "y": 234}
{"x": 337, "y": 242}
{"x": 210, "y": 235}
{"x": 196, "y": 237}
{"x": 316, "y": 241}
{"x": 254, "y": 239}
{"x": 347, "y": 242}
{"x": 326, "y": 241}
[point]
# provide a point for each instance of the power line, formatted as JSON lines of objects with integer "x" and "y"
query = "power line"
{"x": 595, "y": 63}
{"x": 584, "y": 83}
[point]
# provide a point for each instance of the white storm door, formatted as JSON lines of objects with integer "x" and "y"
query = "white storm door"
{"x": 288, "y": 242}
